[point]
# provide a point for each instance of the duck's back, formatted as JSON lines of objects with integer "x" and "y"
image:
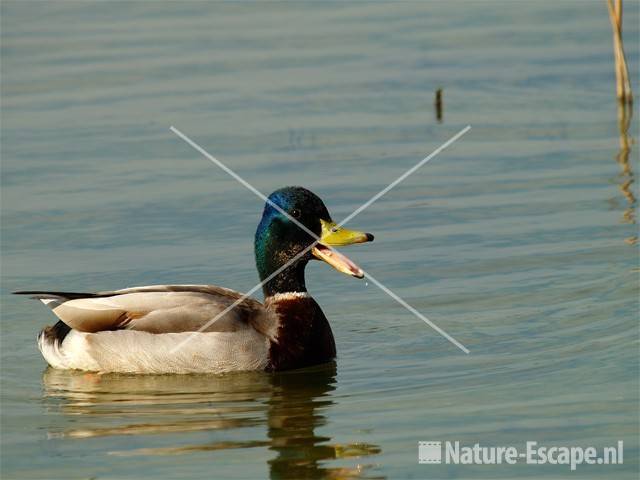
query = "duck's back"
{"x": 156, "y": 329}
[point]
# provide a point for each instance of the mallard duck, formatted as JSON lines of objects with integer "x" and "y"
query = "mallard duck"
{"x": 168, "y": 328}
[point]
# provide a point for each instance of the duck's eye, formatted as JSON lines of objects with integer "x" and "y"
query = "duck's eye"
{"x": 295, "y": 213}
{"x": 334, "y": 229}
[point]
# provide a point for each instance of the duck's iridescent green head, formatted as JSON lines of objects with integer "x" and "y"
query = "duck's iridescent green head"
{"x": 279, "y": 240}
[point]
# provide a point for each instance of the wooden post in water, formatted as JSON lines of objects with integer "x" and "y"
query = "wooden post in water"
{"x": 623, "y": 86}
{"x": 438, "y": 105}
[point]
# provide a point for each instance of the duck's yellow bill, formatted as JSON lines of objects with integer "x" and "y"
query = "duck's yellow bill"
{"x": 333, "y": 235}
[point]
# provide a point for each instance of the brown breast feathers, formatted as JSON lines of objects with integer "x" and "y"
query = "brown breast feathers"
{"x": 303, "y": 336}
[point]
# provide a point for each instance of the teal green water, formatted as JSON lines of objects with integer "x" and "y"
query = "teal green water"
{"x": 519, "y": 240}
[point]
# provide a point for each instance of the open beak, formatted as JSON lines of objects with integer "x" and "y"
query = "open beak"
{"x": 334, "y": 236}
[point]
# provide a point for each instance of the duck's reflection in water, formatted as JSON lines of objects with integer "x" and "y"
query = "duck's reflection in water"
{"x": 290, "y": 405}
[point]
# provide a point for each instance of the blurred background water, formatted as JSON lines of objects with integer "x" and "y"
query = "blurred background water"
{"x": 520, "y": 240}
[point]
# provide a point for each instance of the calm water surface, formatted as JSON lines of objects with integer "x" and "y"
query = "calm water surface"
{"x": 519, "y": 240}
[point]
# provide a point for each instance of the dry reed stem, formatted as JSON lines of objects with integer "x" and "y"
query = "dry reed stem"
{"x": 623, "y": 86}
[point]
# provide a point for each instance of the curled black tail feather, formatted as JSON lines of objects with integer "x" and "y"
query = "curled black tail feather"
{"x": 57, "y": 333}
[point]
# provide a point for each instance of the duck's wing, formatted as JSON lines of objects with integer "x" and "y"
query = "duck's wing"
{"x": 157, "y": 309}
